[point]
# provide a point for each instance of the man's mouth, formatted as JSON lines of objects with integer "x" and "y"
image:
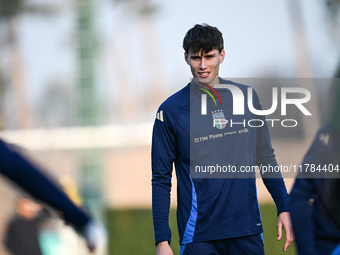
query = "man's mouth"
{"x": 203, "y": 74}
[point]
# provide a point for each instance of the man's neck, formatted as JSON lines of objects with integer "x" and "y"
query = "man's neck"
{"x": 215, "y": 81}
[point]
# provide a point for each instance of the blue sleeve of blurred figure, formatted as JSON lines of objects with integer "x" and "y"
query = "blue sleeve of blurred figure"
{"x": 303, "y": 190}
{"x": 301, "y": 215}
{"x": 22, "y": 172}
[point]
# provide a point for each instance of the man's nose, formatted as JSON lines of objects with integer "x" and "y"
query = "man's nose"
{"x": 203, "y": 64}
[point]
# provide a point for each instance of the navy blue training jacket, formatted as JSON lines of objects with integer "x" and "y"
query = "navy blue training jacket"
{"x": 209, "y": 208}
{"x": 315, "y": 226}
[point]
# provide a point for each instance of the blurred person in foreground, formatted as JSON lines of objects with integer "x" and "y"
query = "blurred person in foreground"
{"x": 214, "y": 215}
{"x": 19, "y": 170}
{"x": 315, "y": 196}
{"x": 22, "y": 235}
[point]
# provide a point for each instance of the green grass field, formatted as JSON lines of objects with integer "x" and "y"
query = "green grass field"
{"x": 131, "y": 232}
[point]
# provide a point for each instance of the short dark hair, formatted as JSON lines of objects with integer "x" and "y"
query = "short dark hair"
{"x": 203, "y": 37}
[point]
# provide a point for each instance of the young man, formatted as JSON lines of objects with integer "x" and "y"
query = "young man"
{"x": 215, "y": 215}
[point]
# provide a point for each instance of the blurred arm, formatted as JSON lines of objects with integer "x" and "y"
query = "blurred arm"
{"x": 27, "y": 176}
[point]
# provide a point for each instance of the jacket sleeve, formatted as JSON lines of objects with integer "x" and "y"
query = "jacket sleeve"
{"x": 264, "y": 157}
{"x": 27, "y": 176}
{"x": 303, "y": 190}
{"x": 162, "y": 157}
{"x": 301, "y": 215}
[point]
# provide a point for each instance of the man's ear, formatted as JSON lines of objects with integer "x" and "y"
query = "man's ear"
{"x": 222, "y": 56}
{"x": 186, "y": 57}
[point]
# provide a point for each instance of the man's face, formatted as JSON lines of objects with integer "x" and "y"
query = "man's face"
{"x": 205, "y": 66}
{"x": 28, "y": 209}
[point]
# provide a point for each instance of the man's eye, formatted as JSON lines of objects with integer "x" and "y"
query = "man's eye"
{"x": 195, "y": 58}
